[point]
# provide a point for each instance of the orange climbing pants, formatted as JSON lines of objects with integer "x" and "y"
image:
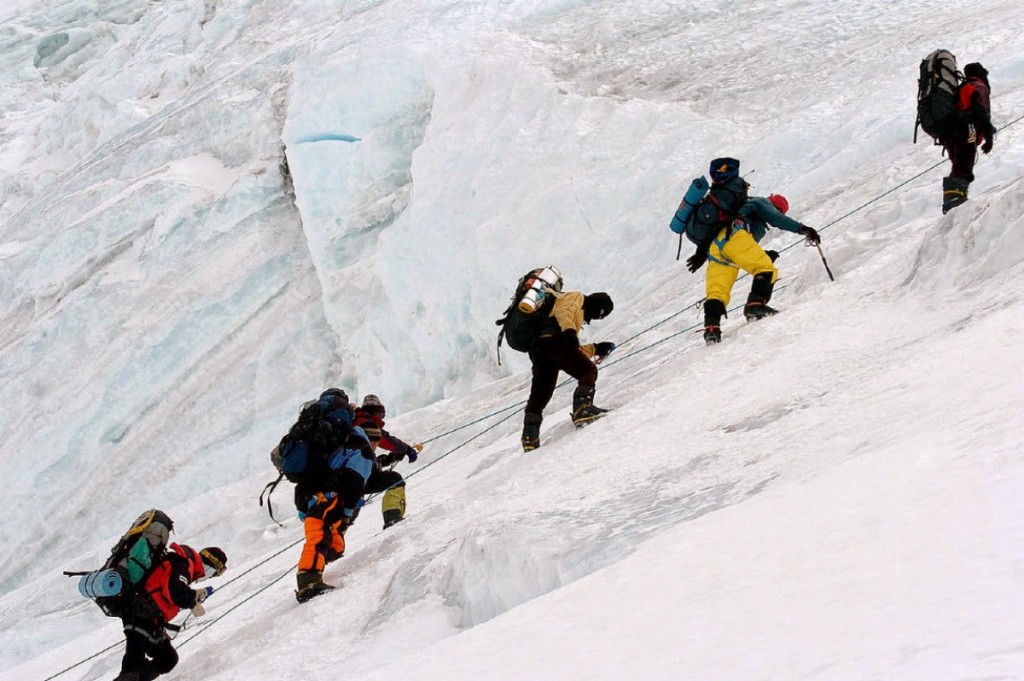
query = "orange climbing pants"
{"x": 324, "y": 540}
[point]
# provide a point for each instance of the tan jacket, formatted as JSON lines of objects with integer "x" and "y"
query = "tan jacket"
{"x": 568, "y": 312}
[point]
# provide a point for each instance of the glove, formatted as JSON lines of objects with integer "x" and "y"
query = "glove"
{"x": 412, "y": 453}
{"x": 987, "y": 146}
{"x": 811, "y": 234}
{"x": 602, "y": 350}
{"x": 774, "y": 255}
{"x": 203, "y": 594}
{"x": 697, "y": 260}
{"x": 198, "y": 610}
{"x": 570, "y": 337}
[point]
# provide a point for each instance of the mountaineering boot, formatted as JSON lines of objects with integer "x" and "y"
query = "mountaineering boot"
{"x": 714, "y": 310}
{"x": 311, "y": 585}
{"x": 393, "y": 504}
{"x": 531, "y": 432}
{"x": 760, "y": 293}
{"x": 954, "y": 192}
{"x": 583, "y": 409}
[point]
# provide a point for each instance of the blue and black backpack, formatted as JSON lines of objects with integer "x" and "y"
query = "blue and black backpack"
{"x": 704, "y": 211}
{"x": 301, "y": 457}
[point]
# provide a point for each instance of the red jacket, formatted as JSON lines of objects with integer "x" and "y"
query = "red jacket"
{"x": 388, "y": 441}
{"x": 168, "y": 583}
{"x": 973, "y": 98}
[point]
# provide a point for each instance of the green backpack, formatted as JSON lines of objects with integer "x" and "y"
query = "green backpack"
{"x": 131, "y": 561}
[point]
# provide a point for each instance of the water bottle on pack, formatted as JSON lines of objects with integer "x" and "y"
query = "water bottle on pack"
{"x": 538, "y": 284}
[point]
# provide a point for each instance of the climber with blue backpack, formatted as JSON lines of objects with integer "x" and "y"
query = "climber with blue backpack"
{"x": 329, "y": 459}
{"x": 727, "y": 226}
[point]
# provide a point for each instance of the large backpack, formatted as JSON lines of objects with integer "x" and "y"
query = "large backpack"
{"x": 117, "y": 586}
{"x": 716, "y": 210}
{"x": 937, "y": 89}
{"x": 301, "y": 455}
{"x": 525, "y": 317}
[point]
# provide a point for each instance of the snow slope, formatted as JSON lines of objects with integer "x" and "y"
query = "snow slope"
{"x": 213, "y": 210}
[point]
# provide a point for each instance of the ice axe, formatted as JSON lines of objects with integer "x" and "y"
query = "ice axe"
{"x": 825, "y": 262}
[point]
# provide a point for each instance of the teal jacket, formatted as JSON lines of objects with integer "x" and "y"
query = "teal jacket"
{"x": 758, "y": 213}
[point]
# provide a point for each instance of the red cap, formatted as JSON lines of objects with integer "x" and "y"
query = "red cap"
{"x": 780, "y": 202}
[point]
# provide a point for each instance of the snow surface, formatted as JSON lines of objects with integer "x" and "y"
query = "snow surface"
{"x": 213, "y": 210}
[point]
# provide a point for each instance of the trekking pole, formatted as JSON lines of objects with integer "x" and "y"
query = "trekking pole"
{"x": 825, "y": 262}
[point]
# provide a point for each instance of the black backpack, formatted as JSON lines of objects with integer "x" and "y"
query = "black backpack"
{"x": 521, "y": 328}
{"x": 301, "y": 455}
{"x": 716, "y": 210}
{"x": 117, "y": 586}
{"x": 937, "y": 90}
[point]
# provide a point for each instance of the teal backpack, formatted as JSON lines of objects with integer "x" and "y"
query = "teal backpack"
{"x": 117, "y": 586}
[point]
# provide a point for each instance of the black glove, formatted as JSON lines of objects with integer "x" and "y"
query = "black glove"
{"x": 987, "y": 146}
{"x": 774, "y": 255}
{"x": 602, "y": 349}
{"x": 412, "y": 453}
{"x": 697, "y": 260}
{"x": 811, "y": 234}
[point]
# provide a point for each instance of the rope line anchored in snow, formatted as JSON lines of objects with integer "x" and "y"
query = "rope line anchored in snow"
{"x": 512, "y": 411}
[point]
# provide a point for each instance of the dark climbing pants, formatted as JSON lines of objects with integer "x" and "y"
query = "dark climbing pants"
{"x": 963, "y": 155}
{"x": 139, "y": 646}
{"x": 550, "y": 355}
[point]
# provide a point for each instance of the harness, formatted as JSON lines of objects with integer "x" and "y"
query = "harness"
{"x": 738, "y": 225}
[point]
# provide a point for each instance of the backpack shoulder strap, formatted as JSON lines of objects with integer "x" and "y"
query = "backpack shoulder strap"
{"x": 268, "y": 490}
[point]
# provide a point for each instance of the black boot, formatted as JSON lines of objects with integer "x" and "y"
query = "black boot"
{"x": 531, "y": 431}
{"x": 760, "y": 294}
{"x": 714, "y": 310}
{"x": 392, "y": 517}
{"x": 311, "y": 584}
{"x": 148, "y": 674}
{"x": 583, "y": 409}
{"x": 954, "y": 192}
